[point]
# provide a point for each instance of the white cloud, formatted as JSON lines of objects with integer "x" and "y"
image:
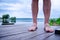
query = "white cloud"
{"x": 24, "y": 9}
{"x": 55, "y": 4}
{"x": 16, "y": 6}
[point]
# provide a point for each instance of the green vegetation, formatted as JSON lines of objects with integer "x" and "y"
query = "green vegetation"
{"x": 13, "y": 19}
{"x": 54, "y": 22}
{"x": 6, "y": 19}
{"x": 0, "y": 17}
{"x": 58, "y": 21}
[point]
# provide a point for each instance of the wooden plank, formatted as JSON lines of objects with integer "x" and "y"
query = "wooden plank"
{"x": 20, "y": 32}
{"x": 12, "y": 31}
{"x": 53, "y": 37}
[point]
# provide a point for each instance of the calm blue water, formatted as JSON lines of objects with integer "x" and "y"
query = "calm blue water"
{"x": 28, "y": 20}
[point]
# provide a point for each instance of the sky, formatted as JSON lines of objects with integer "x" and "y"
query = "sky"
{"x": 22, "y": 8}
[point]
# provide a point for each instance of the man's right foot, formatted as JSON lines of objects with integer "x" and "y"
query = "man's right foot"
{"x": 47, "y": 28}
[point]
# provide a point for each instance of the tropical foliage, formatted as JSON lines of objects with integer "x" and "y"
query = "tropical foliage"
{"x": 58, "y": 21}
{"x": 6, "y": 19}
{"x": 13, "y": 19}
{"x": 54, "y": 21}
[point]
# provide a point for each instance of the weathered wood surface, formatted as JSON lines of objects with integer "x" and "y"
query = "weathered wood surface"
{"x": 20, "y": 32}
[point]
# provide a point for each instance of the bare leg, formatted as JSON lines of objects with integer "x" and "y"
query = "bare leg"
{"x": 46, "y": 10}
{"x": 34, "y": 14}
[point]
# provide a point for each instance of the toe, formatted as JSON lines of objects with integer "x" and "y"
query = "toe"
{"x": 32, "y": 28}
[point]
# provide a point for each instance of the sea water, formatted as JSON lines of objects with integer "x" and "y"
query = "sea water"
{"x": 28, "y": 19}
{"x": 25, "y": 20}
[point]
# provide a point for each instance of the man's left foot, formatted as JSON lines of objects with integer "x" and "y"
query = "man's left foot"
{"x": 47, "y": 28}
{"x": 33, "y": 28}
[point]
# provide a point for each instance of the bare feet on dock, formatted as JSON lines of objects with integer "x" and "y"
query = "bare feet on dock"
{"x": 47, "y": 28}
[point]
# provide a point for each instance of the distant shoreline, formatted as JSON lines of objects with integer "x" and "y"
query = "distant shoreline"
{"x": 27, "y": 20}
{"x": 18, "y": 23}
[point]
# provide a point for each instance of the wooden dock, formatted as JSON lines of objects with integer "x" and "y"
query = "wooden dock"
{"x": 20, "y": 32}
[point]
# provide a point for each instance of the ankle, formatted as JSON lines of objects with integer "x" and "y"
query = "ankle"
{"x": 46, "y": 23}
{"x": 34, "y": 24}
